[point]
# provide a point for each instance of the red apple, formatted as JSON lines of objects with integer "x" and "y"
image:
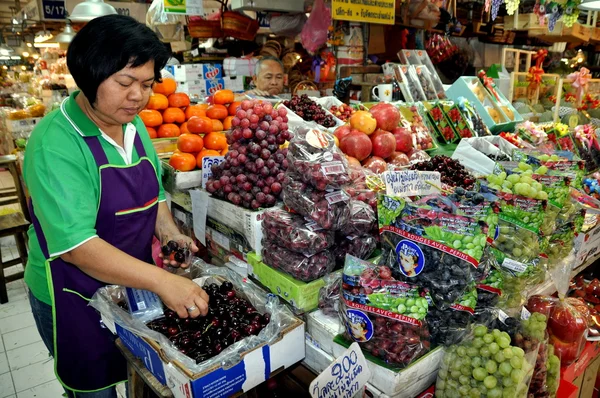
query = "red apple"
{"x": 567, "y": 323}
{"x": 387, "y": 116}
{"x": 356, "y": 144}
{"x": 375, "y": 164}
{"x": 567, "y": 352}
{"x": 404, "y": 139}
{"x": 384, "y": 143}
{"x": 398, "y": 159}
{"x": 593, "y": 288}
{"x": 541, "y": 304}
{"x": 353, "y": 162}
{"x": 342, "y": 131}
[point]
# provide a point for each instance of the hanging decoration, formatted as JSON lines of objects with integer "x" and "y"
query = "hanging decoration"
{"x": 495, "y": 7}
{"x": 579, "y": 81}
{"x": 511, "y": 6}
{"x": 571, "y": 13}
{"x": 540, "y": 10}
{"x": 553, "y": 12}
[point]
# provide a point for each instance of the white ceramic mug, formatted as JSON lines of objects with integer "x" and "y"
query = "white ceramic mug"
{"x": 384, "y": 92}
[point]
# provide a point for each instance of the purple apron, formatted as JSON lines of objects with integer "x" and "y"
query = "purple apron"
{"x": 86, "y": 358}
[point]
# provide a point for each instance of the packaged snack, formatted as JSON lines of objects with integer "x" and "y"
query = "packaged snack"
{"x": 299, "y": 266}
{"x": 314, "y": 157}
{"x": 441, "y": 122}
{"x": 416, "y": 92}
{"x": 385, "y": 316}
{"x": 330, "y": 210}
{"x": 424, "y": 78}
{"x": 294, "y": 233}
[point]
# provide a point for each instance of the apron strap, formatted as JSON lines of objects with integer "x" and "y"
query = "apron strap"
{"x": 96, "y": 148}
{"x": 139, "y": 147}
{"x": 38, "y": 231}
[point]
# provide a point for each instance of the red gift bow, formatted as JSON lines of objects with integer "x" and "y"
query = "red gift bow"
{"x": 539, "y": 57}
{"x": 488, "y": 83}
{"x": 535, "y": 75}
{"x": 580, "y": 80}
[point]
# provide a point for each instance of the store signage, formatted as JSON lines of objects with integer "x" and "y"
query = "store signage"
{"x": 411, "y": 182}
{"x": 53, "y": 9}
{"x": 264, "y": 20}
{"x": 184, "y": 7}
{"x": 136, "y": 10}
{"x": 372, "y": 11}
{"x": 344, "y": 378}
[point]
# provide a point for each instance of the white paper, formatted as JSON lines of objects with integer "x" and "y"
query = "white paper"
{"x": 177, "y": 382}
{"x": 207, "y": 163}
{"x": 471, "y": 152}
{"x": 199, "y": 211}
{"x": 344, "y": 378}
{"x": 411, "y": 182}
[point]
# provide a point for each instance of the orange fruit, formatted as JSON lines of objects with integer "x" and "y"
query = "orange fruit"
{"x": 199, "y": 125}
{"x": 233, "y": 107}
{"x": 173, "y": 115}
{"x": 217, "y": 125}
{"x": 168, "y": 130}
{"x": 224, "y": 151}
{"x": 202, "y": 106}
{"x": 222, "y": 97}
{"x": 194, "y": 110}
{"x": 227, "y": 123}
{"x": 217, "y": 112}
{"x": 190, "y": 143}
{"x": 179, "y": 100}
{"x": 183, "y": 128}
{"x": 151, "y": 118}
{"x": 152, "y": 132}
{"x": 203, "y": 153}
{"x": 216, "y": 141}
{"x": 183, "y": 161}
{"x": 157, "y": 102}
{"x": 167, "y": 87}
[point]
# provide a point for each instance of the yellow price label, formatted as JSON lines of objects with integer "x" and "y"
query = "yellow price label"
{"x": 372, "y": 11}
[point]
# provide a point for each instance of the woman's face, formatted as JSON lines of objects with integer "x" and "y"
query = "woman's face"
{"x": 124, "y": 94}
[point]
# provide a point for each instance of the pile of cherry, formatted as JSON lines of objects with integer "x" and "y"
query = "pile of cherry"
{"x": 230, "y": 318}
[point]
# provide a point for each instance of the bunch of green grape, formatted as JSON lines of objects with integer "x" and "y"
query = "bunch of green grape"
{"x": 550, "y": 158}
{"x": 487, "y": 366}
{"x": 535, "y": 326}
{"x": 549, "y": 221}
{"x": 553, "y": 375}
{"x": 516, "y": 243}
{"x": 519, "y": 183}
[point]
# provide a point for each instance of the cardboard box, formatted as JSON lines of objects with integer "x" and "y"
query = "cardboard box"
{"x": 223, "y": 242}
{"x": 589, "y": 245}
{"x": 577, "y": 368}
{"x": 239, "y": 66}
{"x": 255, "y": 366}
{"x": 23, "y": 125}
{"x": 322, "y": 329}
{"x": 237, "y": 84}
{"x": 174, "y": 180}
{"x": 198, "y": 90}
{"x": 589, "y": 379}
{"x": 187, "y": 72}
{"x": 300, "y": 295}
{"x": 569, "y": 390}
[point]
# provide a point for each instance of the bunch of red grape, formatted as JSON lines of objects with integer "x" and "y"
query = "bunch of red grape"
{"x": 254, "y": 168}
{"x": 230, "y": 318}
{"x": 452, "y": 172}
{"x": 309, "y": 110}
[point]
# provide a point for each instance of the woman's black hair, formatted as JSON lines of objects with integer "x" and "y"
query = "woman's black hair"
{"x": 108, "y": 44}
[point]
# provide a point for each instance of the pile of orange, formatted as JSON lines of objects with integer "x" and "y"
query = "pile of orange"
{"x": 199, "y": 128}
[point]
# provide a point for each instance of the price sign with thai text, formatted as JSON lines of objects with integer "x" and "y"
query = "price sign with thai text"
{"x": 207, "y": 163}
{"x": 372, "y": 11}
{"x": 344, "y": 378}
{"x": 411, "y": 182}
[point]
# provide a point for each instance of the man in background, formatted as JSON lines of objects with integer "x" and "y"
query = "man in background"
{"x": 268, "y": 77}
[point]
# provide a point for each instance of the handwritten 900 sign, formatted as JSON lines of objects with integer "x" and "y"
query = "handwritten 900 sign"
{"x": 344, "y": 378}
{"x": 374, "y": 11}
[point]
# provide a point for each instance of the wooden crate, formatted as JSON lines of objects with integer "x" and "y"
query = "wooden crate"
{"x": 520, "y": 76}
{"x": 523, "y": 22}
{"x": 595, "y": 35}
{"x": 575, "y": 34}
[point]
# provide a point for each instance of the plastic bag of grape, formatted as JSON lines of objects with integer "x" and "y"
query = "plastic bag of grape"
{"x": 436, "y": 250}
{"x": 362, "y": 220}
{"x": 485, "y": 366}
{"x": 304, "y": 268}
{"x": 329, "y": 295}
{"x": 314, "y": 157}
{"x": 295, "y": 233}
{"x": 385, "y": 316}
{"x": 330, "y": 210}
{"x": 364, "y": 186}
{"x": 358, "y": 246}
{"x": 452, "y": 325}
{"x": 489, "y": 291}
{"x": 219, "y": 339}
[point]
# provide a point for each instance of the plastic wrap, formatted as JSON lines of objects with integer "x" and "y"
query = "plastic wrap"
{"x": 299, "y": 266}
{"x": 485, "y": 366}
{"x": 106, "y": 300}
{"x": 314, "y": 157}
{"x": 451, "y": 326}
{"x": 168, "y": 27}
{"x": 330, "y": 210}
{"x": 534, "y": 331}
{"x": 436, "y": 250}
{"x": 414, "y": 119}
{"x": 358, "y": 246}
{"x": 287, "y": 24}
{"x": 329, "y": 295}
{"x": 295, "y": 233}
{"x": 386, "y": 317}
{"x": 364, "y": 186}
{"x": 362, "y": 220}
{"x": 553, "y": 375}
{"x": 314, "y": 33}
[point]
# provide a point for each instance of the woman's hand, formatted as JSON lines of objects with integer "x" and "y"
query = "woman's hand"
{"x": 183, "y": 241}
{"x": 183, "y": 296}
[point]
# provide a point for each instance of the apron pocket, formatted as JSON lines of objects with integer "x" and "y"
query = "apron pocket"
{"x": 131, "y": 227}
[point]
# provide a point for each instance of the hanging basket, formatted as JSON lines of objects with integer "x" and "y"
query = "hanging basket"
{"x": 204, "y": 29}
{"x": 239, "y": 26}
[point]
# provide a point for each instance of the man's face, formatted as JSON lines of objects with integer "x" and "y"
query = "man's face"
{"x": 270, "y": 78}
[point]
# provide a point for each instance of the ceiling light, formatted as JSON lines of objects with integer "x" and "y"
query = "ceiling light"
{"x": 42, "y": 36}
{"x": 29, "y": 45}
{"x": 47, "y": 45}
{"x": 25, "y": 54}
{"x": 67, "y": 35}
{"x": 23, "y": 67}
{"x": 90, "y": 9}
{"x": 592, "y": 5}
{"x": 35, "y": 56}
{"x": 4, "y": 67}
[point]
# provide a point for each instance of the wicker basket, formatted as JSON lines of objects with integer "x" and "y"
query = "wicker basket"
{"x": 203, "y": 29}
{"x": 239, "y": 26}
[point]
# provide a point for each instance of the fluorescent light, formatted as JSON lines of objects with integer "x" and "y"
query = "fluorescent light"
{"x": 4, "y": 57}
{"x": 42, "y": 36}
{"x": 29, "y": 45}
{"x": 90, "y": 9}
{"x": 46, "y": 45}
{"x": 15, "y": 57}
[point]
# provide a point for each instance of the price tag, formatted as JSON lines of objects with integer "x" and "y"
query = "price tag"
{"x": 336, "y": 196}
{"x": 411, "y": 182}
{"x": 207, "y": 163}
{"x": 344, "y": 378}
{"x": 514, "y": 265}
{"x": 502, "y": 316}
{"x": 525, "y": 314}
